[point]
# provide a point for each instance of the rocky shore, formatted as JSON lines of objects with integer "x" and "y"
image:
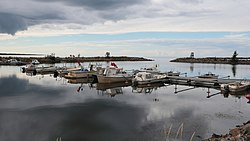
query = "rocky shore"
{"x": 240, "y": 133}
{"x": 214, "y": 60}
{"x": 52, "y": 60}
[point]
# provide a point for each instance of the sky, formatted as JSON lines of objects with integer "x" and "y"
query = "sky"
{"x": 150, "y": 28}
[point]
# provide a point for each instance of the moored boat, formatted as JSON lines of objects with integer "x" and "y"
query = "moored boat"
{"x": 29, "y": 68}
{"x": 235, "y": 86}
{"x": 46, "y": 70}
{"x": 153, "y": 69}
{"x": 113, "y": 75}
{"x": 83, "y": 73}
{"x": 172, "y": 73}
{"x": 209, "y": 75}
{"x": 238, "y": 86}
{"x": 143, "y": 78}
{"x": 64, "y": 71}
{"x": 80, "y": 74}
{"x": 35, "y": 62}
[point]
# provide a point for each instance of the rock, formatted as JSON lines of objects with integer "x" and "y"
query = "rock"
{"x": 234, "y": 132}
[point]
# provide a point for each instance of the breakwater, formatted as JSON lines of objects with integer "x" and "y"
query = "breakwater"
{"x": 214, "y": 60}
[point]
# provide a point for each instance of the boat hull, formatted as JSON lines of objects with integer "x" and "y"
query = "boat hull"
{"x": 151, "y": 81}
{"x": 46, "y": 70}
{"x": 81, "y": 80}
{"x": 79, "y": 74}
{"x": 238, "y": 89}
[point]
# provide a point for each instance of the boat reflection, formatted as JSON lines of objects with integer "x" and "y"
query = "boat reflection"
{"x": 104, "y": 86}
{"x": 111, "y": 89}
{"x": 82, "y": 81}
{"x": 238, "y": 94}
{"x": 147, "y": 89}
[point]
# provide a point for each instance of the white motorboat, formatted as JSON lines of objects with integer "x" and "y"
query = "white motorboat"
{"x": 80, "y": 74}
{"x": 235, "y": 86}
{"x": 35, "y": 62}
{"x": 142, "y": 78}
{"x": 209, "y": 75}
{"x": 46, "y": 69}
{"x": 153, "y": 69}
{"x": 238, "y": 86}
{"x": 84, "y": 73}
{"x": 173, "y": 73}
{"x": 114, "y": 75}
{"x": 64, "y": 71}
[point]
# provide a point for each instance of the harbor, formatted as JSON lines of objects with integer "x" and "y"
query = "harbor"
{"x": 84, "y": 95}
{"x": 124, "y": 70}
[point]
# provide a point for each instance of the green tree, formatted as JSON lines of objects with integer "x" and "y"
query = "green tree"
{"x": 107, "y": 54}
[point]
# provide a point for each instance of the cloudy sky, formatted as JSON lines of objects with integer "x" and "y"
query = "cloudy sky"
{"x": 170, "y": 28}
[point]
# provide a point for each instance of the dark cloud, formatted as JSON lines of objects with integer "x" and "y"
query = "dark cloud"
{"x": 15, "y": 21}
{"x": 34, "y": 12}
{"x": 11, "y": 23}
{"x": 99, "y": 4}
{"x": 17, "y": 16}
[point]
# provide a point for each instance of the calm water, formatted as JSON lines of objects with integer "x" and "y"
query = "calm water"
{"x": 43, "y": 108}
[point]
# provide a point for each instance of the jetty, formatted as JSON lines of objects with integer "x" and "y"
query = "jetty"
{"x": 213, "y": 60}
{"x": 234, "y": 60}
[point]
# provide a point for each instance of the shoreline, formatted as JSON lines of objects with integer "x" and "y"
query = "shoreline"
{"x": 52, "y": 60}
{"x": 240, "y": 132}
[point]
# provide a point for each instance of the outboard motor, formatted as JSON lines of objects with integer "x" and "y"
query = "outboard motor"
{"x": 23, "y": 70}
{"x": 34, "y": 72}
{"x": 91, "y": 67}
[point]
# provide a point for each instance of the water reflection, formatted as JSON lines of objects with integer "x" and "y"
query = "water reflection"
{"x": 82, "y": 82}
{"x": 234, "y": 70}
{"x": 93, "y": 121}
{"x": 49, "y": 108}
{"x": 217, "y": 68}
{"x": 191, "y": 67}
{"x": 111, "y": 89}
